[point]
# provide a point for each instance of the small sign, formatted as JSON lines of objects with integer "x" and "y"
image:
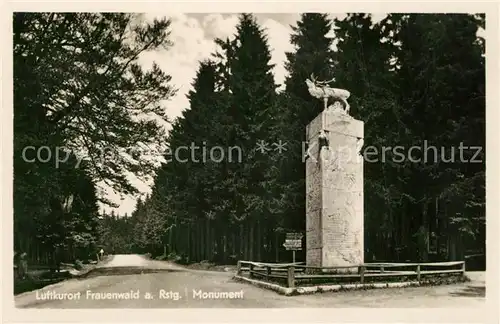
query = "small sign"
{"x": 294, "y": 236}
{"x": 293, "y": 241}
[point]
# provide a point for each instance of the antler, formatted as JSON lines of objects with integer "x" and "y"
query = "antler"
{"x": 326, "y": 82}
{"x": 315, "y": 81}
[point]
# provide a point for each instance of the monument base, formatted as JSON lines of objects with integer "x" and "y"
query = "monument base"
{"x": 334, "y": 192}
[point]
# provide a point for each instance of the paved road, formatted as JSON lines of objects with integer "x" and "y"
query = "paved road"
{"x": 137, "y": 261}
{"x": 145, "y": 283}
{"x": 124, "y": 260}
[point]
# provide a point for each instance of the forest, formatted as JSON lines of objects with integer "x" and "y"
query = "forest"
{"x": 413, "y": 79}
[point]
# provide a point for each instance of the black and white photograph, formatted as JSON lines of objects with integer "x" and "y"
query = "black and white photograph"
{"x": 248, "y": 160}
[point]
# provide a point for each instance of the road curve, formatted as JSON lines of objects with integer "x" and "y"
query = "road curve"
{"x": 158, "y": 284}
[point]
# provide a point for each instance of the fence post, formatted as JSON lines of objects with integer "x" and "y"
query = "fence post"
{"x": 291, "y": 277}
{"x": 463, "y": 269}
{"x": 250, "y": 274}
{"x": 381, "y": 269}
{"x": 418, "y": 272}
{"x": 268, "y": 272}
{"x": 362, "y": 274}
{"x": 238, "y": 268}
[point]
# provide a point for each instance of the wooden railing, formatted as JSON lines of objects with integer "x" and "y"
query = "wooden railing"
{"x": 293, "y": 272}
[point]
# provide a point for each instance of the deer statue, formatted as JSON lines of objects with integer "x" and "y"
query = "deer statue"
{"x": 321, "y": 90}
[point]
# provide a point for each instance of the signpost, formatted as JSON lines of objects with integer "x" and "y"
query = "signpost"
{"x": 293, "y": 242}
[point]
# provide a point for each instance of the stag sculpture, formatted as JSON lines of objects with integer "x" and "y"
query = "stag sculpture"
{"x": 321, "y": 90}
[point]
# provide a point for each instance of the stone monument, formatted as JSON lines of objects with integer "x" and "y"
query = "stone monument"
{"x": 334, "y": 182}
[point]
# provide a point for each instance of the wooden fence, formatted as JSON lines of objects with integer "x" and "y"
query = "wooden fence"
{"x": 291, "y": 273}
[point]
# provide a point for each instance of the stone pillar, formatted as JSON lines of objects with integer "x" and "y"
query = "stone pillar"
{"x": 334, "y": 191}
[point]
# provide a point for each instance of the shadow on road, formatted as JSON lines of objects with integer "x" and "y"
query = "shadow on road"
{"x": 126, "y": 270}
{"x": 470, "y": 291}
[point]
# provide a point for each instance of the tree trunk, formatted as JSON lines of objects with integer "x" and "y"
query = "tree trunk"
{"x": 220, "y": 235}
{"x": 452, "y": 256}
{"x": 202, "y": 239}
{"x": 276, "y": 248}
{"x": 208, "y": 244}
{"x": 188, "y": 241}
{"x": 252, "y": 242}
{"x": 246, "y": 256}
{"x": 425, "y": 224}
{"x": 258, "y": 241}
{"x": 269, "y": 242}
{"x": 170, "y": 240}
{"x": 196, "y": 241}
{"x": 225, "y": 249}
{"x": 235, "y": 245}
{"x": 213, "y": 241}
{"x": 241, "y": 244}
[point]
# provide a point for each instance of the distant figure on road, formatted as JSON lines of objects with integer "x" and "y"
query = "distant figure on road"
{"x": 22, "y": 266}
{"x": 101, "y": 254}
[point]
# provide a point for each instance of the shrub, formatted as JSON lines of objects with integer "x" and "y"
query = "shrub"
{"x": 233, "y": 259}
{"x": 78, "y": 265}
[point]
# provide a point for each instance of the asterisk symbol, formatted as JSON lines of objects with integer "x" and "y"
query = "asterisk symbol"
{"x": 262, "y": 147}
{"x": 280, "y": 146}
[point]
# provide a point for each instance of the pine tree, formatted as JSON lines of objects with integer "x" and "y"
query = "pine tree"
{"x": 77, "y": 85}
{"x": 442, "y": 82}
{"x": 183, "y": 186}
{"x": 364, "y": 66}
{"x": 231, "y": 106}
{"x": 253, "y": 107}
{"x": 81, "y": 67}
{"x": 313, "y": 55}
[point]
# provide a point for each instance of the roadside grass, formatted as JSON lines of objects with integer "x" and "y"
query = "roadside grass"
{"x": 36, "y": 282}
{"x": 203, "y": 265}
{"x": 41, "y": 276}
